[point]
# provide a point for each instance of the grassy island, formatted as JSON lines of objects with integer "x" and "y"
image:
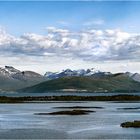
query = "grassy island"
{"x": 135, "y": 124}
{"x": 78, "y": 107}
{"x": 68, "y": 112}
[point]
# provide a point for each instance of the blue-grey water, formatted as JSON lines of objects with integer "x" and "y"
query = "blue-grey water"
{"x": 63, "y": 93}
{"x": 17, "y": 121}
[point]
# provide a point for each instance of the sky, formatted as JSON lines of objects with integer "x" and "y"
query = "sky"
{"x": 51, "y": 36}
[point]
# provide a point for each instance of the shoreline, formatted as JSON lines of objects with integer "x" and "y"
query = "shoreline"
{"x": 27, "y": 99}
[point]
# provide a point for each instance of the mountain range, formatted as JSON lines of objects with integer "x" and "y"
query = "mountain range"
{"x": 87, "y": 72}
{"x": 12, "y": 79}
{"x": 89, "y": 80}
{"x": 107, "y": 83}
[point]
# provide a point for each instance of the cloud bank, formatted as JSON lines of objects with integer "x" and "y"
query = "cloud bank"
{"x": 88, "y": 45}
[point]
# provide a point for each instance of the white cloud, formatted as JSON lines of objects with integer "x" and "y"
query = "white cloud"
{"x": 63, "y": 32}
{"x": 89, "y": 45}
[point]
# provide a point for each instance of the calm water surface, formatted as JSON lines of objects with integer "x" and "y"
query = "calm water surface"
{"x": 17, "y": 121}
{"x": 63, "y": 93}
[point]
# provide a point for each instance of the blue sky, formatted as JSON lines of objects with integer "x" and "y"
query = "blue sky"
{"x": 51, "y": 36}
{"x": 21, "y": 17}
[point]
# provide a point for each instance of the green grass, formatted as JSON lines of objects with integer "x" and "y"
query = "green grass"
{"x": 135, "y": 124}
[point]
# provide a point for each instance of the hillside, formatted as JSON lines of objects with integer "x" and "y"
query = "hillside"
{"x": 12, "y": 79}
{"x": 111, "y": 83}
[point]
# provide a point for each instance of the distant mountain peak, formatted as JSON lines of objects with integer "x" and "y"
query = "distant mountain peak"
{"x": 11, "y": 70}
{"x": 79, "y": 72}
{"x": 12, "y": 78}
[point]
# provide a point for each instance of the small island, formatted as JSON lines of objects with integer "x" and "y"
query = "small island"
{"x": 129, "y": 108}
{"x": 68, "y": 112}
{"x": 134, "y": 124}
{"x": 78, "y": 107}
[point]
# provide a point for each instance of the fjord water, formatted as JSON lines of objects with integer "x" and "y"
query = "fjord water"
{"x": 18, "y": 121}
{"x": 64, "y": 94}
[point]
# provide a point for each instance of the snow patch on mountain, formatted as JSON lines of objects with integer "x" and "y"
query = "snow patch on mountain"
{"x": 11, "y": 78}
{"x": 136, "y": 77}
{"x": 80, "y": 72}
{"x": 11, "y": 70}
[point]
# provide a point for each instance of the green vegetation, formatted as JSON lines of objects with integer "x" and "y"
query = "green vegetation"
{"x": 129, "y": 108}
{"x": 77, "y": 107}
{"x": 4, "y": 99}
{"x": 115, "y": 83}
{"x": 28, "y": 99}
{"x": 68, "y": 112}
{"x": 135, "y": 124}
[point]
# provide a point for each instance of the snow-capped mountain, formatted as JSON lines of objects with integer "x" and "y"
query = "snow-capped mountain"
{"x": 4, "y": 72}
{"x": 11, "y": 70}
{"x": 87, "y": 72}
{"x": 8, "y": 71}
{"x": 11, "y": 78}
{"x": 134, "y": 76}
{"x": 80, "y": 72}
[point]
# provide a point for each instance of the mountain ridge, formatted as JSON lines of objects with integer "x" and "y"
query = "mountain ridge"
{"x": 87, "y": 72}
{"x": 113, "y": 83}
{"x": 12, "y": 79}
